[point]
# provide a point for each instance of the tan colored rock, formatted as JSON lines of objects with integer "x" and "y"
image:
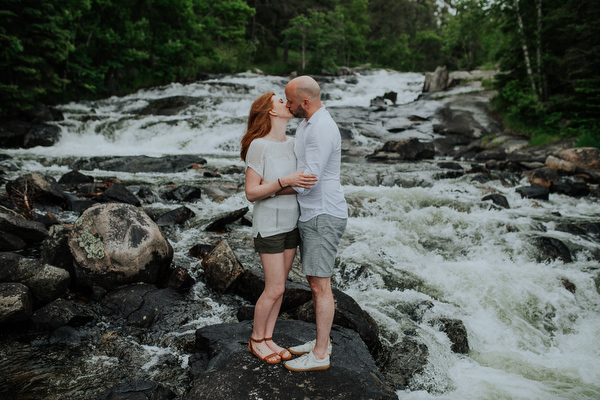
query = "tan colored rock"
{"x": 116, "y": 244}
{"x": 436, "y": 81}
{"x": 543, "y": 177}
{"x": 585, "y": 158}
{"x": 558, "y": 164}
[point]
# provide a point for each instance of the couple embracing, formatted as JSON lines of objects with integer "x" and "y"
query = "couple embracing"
{"x": 295, "y": 186}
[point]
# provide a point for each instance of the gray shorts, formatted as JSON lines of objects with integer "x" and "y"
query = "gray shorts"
{"x": 320, "y": 238}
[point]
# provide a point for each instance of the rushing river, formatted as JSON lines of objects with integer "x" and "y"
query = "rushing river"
{"x": 529, "y": 337}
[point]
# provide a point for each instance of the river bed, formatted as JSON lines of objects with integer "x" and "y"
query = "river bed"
{"x": 529, "y": 337}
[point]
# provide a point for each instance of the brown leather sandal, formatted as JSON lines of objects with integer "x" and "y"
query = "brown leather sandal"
{"x": 282, "y": 352}
{"x": 268, "y": 358}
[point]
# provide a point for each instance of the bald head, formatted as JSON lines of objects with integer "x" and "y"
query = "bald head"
{"x": 306, "y": 87}
{"x": 304, "y": 96}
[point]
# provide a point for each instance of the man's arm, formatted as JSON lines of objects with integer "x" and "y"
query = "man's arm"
{"x": 317, "y": 154}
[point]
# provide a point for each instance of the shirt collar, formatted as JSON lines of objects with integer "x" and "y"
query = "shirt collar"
{"x": 316, "y": 115}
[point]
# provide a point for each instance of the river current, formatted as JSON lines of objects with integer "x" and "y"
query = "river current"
{"x": 529, "y": 337}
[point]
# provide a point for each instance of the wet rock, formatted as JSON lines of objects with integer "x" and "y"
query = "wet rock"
{"x": 137, "y": 389}
{"x": 378, "y": 102}
{"x": 167, "y": 164}
{"x": 451, "y": 165}
{"x": 147, "y": 195}
{"x": 415, "y": 310}
{"x": 491, "y": 154}
{"x": 497, "y": 199}
{"x": 167, "y": 106}
{"x": 201, "y": 250}
{"x": 573, "y": 189}
{"x": 482, "y": 178}
{"x": 74, "y": 178}
{"x": 550, "y": 249}
{"x": 539, "y": 153}
{"x": 561, "y": 166}
{"x": 19, "y": 134}
{"x": 142, "y": 304}
{"x": 231, "y": 371}
{"x": 401, "y": 361}
{"x": 478, "y": 169}
{"x": 570, "y": 286}
{"x": 572, "y": 229}
{"x": 16, "y": 304}
{"x": 177, "y": 216}
{"x": 56, "y": 249}
{"x": 221, "y": 267}
{"x": 180, "y": 280}
{"x": 42, "y": 113}
{"x": 456, "y": 331}
{"x": 115, "y": 244}
{"x": 533, "y": 192}
{"x": 448, "y": 146}
{"x": 349, "y": 315}
{"x": 60, "y": 312}
{"x": 220, "y": 224}
{"x": 456, "y": 121}
{"x": 47, "y": 219}
{"x": 45, "y": 282}
{"x": 39, "y": 189}
{"x": 543, "y": 177}
{"x": 469, "y": 151}
{"x": 448, "y": 175}
{"x": 436, "y": 81}
{"x": 183, "y": 193}
{"x": 584, "y": 158}
{"x": 407, "y": 149}
{"x": 10, "y": 242}
{"x": 118, "y": 192}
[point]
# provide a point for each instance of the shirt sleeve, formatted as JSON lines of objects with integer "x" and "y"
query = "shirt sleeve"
{"x": 318, "y": 150}
{"x": 254, "y": 157}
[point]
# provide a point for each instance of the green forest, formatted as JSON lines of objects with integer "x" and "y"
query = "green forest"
{"x": 548, "y": 51}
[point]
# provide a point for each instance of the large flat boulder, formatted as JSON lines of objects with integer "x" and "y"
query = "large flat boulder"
{"x": 230, "y": 371}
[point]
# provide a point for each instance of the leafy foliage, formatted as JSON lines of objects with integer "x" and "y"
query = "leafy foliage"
{"x": 565, "y": 37}
{"x": 548, "y": 50}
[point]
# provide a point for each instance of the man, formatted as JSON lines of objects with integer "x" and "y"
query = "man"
{"x": 323, "y": 212}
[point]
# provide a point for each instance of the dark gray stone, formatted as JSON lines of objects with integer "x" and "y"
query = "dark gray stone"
{"x": 227, "y": 370}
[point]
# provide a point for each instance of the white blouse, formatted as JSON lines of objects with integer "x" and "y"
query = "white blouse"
{"x": 273, "y": 160}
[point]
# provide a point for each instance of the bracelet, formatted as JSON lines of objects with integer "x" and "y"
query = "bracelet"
{"x": 279, "y": 183}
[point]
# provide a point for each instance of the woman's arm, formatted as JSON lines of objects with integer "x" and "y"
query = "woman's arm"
{"x": 257, "y": 189}
{"x": 254, "y": 189}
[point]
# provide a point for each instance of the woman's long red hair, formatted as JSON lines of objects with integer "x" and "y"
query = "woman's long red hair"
{"x": 259, "y": 122}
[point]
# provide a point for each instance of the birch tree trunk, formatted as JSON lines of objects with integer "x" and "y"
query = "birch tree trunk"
{"x": 525, "y": 50}
{"x": 541, "y": 77}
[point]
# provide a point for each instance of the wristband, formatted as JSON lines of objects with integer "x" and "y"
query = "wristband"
{"x": 279, "y": 183}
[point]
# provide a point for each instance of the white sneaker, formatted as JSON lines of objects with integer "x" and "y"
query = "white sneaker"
{"x": 308, "y": 362}
{"x": 306, "y": 348}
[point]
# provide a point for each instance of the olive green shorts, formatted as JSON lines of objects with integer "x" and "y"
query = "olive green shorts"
{"x": 277, "y": 243}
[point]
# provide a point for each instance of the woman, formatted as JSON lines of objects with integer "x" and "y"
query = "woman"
{"x": 270, "y": 175}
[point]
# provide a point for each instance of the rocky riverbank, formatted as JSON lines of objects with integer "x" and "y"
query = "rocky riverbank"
{"x": 78, "y": 269}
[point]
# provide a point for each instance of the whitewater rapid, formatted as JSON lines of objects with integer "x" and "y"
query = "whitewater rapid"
{"x": 529, "y": 337}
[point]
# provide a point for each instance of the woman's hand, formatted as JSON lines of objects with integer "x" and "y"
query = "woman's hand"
{"x": 299, "y": 179}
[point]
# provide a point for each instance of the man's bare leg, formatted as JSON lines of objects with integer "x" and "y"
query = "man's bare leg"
{"x": 324, "y": 312}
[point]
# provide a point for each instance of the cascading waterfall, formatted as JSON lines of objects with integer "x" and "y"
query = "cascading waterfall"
{"x": 529, "y": 337}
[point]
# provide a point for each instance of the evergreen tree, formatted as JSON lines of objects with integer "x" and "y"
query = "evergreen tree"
{"x": 33, "y": 46}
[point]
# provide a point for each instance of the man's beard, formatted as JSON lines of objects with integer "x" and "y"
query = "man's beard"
{"x": 300, "y": 112}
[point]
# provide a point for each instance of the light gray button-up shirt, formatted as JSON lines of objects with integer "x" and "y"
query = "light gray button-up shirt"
{"x": 318, "y": 148}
